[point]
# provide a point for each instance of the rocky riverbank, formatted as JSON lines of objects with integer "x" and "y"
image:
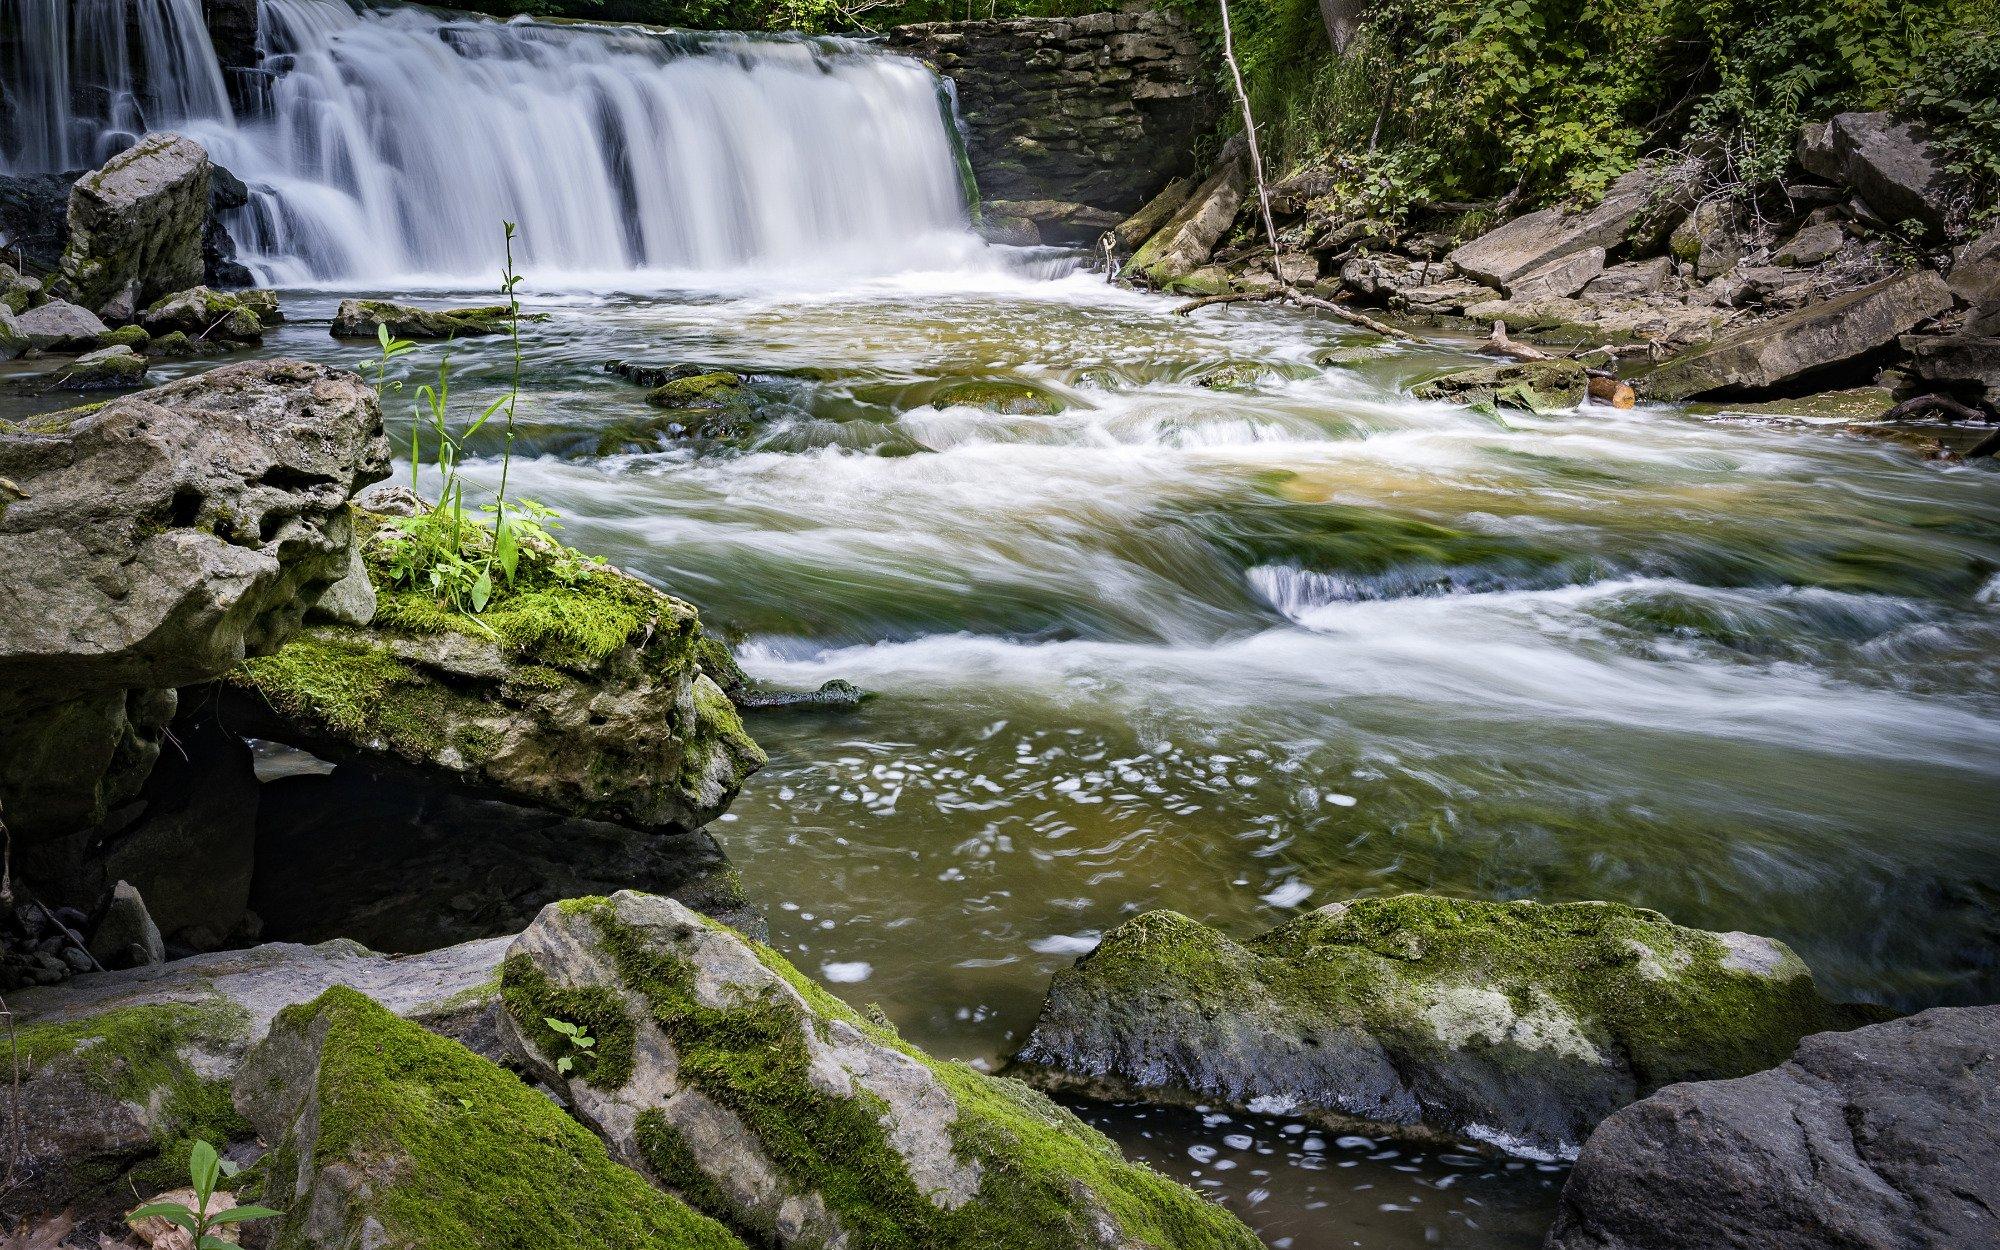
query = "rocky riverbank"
{"x": 1847, "y": 279}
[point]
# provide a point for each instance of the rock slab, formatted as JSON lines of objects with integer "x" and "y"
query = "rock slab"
{"x": 1883, "y": 1138}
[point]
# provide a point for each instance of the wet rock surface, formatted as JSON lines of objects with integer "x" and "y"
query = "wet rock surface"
{"x": 136, "y": 225}
{"x": 1880, "y": 1137}
{"x": 361, "y": 318}
{"x": 1516, "y": 1024}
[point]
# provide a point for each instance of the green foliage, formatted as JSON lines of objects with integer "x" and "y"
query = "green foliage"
{"x": 1957, "y": 92}
{"x": 205, "y": 1170}
{"x": 1549, "y": 100}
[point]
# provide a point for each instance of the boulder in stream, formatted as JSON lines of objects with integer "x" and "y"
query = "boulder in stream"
{"x": 1519, "y": 1025}
{"x": 136, "y": 225}
{"x": 1534, "y": 386}
{"x": 1886, "y": 1137}
{"x": 360, "y": 318}
{"x": 733, "y": 1081}
{"x": 203, "y": 312}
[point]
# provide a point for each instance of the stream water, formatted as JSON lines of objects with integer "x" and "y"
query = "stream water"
{"x": 1244, "y": 651}
{"x": 1234, "y": 649}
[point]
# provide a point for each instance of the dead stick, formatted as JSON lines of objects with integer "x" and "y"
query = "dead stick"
{"x": 1363, "y": 320}
{"x": 1951, "y": 408}
{"x": 1228, "y": 297}
{"x": 1499, "y": 342}
{"x": 70, "y": 934}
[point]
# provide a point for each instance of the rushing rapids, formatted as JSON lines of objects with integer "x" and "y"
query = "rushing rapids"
{"x": 1234, "y": 649}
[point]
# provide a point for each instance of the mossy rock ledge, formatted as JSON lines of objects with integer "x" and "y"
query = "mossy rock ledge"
{"x": 1519, "y": 1025}
{"x": 581, "y": 689}
{"x": 736, "y": 1083}
{"x": 360, "y": 319}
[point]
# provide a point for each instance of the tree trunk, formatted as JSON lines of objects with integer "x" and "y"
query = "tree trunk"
{"x": 1342, "y": 18}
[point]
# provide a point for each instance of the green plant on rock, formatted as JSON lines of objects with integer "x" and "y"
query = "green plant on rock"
{"x": 463, "y": 558}
{"x": 205, "y": 1171}
{"x": 578, "y": 1038}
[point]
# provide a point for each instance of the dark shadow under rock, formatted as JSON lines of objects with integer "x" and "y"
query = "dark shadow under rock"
{"x": 380, "y": 856}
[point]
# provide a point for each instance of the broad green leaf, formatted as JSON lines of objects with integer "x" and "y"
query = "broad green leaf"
{"x": 204, "y": 1166}
{"x": 236, "y": 1215}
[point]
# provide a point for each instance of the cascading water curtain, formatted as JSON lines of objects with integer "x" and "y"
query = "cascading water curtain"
{"x": 84, "y": 78}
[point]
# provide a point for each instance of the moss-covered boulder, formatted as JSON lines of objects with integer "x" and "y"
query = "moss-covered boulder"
{"x": 135, "y": 226}
{"x": 118, "y": 1090}
{"x": 386, "y": 1135}
{"x": 1517, "y": 1024}
{"x": 579, "y": 689}
{"x": 360, "y": 318}
{"x": 697, "y": 390}
{"x": 734, "y": 1082}
{"x": 203, "y": 313}
{"x": 1535, "y": 386}
{"x": 1014, "y": 399}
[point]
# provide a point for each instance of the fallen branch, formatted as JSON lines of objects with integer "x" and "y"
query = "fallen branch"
{"x": 1950, "y": 408}
{"x": 1285, "y": 289}
{"x": 1228, "y": 297}
{"x": 1499, "y": 342}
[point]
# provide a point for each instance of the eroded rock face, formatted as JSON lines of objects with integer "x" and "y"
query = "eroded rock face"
{"x": 731, "y": 1080}
{"x": 1516, "y": 1024}
{"x": 1883, "y": 1137}
{"x": 154, "y": 543}
{"x": 136, "y": 225}
{"x": 387, "y": 1135}
{"x": 1820, "y": 336}
{"x": 1893, "y": 167}
{"x": 581, "y": 693}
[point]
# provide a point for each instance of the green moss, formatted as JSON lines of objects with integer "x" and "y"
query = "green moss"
{"x": 673, "y": 1162}
{"x": 531, "y": 998}
{"x": 479, "y": 1159}
{"x": 134, "y": 337}
{"x": 1010, "y": 398}
{"x": 139, "y": 1055}
{"x": 751, "y": 1056}
{"x": 701, "y": 390}
{"x": 1378, "y": 962}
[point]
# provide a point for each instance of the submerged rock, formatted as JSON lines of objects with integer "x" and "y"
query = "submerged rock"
{"x": 136, "y": 225}
{"x": 579, "y": 690}
{"x": 1886, "y": 1136}
{"x": 734, "y": 1082}
{"x": 152, "y": 543}
{"x": 1516, "y": 1024}
{"x": 1793, "y": 348}
{"x": 360, "y": 318}
{"x": 696, "y": 391}
{"x": 1534, "y": 386}
{"x": 386, "y": 1135}
{"x": 832, "y": 694}
{"x": 1015, "y": 399}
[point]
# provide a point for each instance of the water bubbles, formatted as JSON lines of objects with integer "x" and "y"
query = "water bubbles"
{"x": 846, "y": 973}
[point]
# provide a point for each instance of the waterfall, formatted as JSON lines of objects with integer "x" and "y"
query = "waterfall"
{"x": 84, "y": 78}
{"x": 393, "y": 142}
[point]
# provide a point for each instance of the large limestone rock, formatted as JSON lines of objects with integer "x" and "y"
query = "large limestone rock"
{"x": 1127, "y": 235}
{"x": 1534, "y": 386}
{"x": 1892, "y": 165}
{"x": 136, "y": 225}
{"x": 731, "y": 1080}
{"x": 1964, "y": 363}
{"x": 60, "y": 324}
{"x": 579, "y": 690}
{"x": 152, "y": 544}
{"x": 1887, "y": 1137}
{"x": 387, "y": 1135}
{"x": 1516, "y": 1024}
{"x": 1635, "y": 205}
{"x": 1788, "y": 349}
{"x": 116, "y": 1064}
{"x": 1188, "y": 239}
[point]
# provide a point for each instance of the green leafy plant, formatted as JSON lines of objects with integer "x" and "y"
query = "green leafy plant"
{"x": 579, "y": 1040}
{"x": 463, "y": 558}
{"x": 205, "y": 1172}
